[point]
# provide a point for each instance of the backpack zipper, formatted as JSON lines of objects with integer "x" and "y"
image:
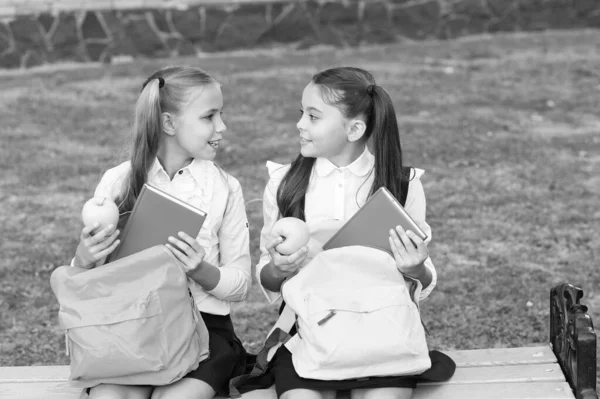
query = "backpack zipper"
{"x": 194, "y": 309}
{"x": 327, "y": 318}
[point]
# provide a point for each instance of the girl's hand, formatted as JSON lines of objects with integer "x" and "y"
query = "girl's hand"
{"x": 409, "y": 255}
{"x": 285, "y": 265}
{"x": 94, "y": 246}
{"x": 187, "y": 250}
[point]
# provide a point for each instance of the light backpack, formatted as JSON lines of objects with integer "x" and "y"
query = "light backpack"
{"x": 131, "y": 322}
{"x": 355, "y": 317}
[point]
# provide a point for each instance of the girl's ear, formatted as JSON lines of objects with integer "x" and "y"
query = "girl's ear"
{"x": 167, "y": 123}
{"x": 356, "y": 129}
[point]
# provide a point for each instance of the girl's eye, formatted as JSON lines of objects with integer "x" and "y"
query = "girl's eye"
{"x": 310, "y": 116}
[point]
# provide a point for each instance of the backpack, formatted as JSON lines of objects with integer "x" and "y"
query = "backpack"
{"x": 349, "y": 324}
{"x": 352, "y": 323}
{"x": 131, "y": 322}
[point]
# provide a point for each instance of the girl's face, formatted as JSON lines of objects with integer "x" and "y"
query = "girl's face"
{"x": 323, "y": 128}
{"x": 198, "y": 125}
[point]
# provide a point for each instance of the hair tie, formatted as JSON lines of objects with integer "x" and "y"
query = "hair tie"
{"x": 370, "y": 89}
{"x": 161, "y": 82}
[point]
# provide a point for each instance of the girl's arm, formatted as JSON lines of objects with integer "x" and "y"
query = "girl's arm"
{"x": 234, "y": 275}
{"x": 270, "y": 281}
{"x": 273, "y": 268}
{"x": 416, "y": 208}
{"x": 231, "y": 281}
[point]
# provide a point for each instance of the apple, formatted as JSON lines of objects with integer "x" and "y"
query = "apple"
{"x": 295, "y": 233}
{"x": 100, "y": 210}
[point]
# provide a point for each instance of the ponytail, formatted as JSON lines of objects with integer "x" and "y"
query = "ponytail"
{"x": 292, "y": 189}
{"x": 146, "y": 137}
{"x": 387, "y": 150}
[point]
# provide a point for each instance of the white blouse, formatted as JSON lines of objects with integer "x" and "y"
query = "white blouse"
{"x": 334, "y": 194}
{"x": 224, "y": 234}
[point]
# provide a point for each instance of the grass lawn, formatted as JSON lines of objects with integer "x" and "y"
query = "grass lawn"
{"x": 506, "y": 127}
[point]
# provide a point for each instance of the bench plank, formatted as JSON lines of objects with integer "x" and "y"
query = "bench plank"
{"x": 520, "y": 390}
{"x": 515, "y": 390}
{"x": 502, "y": 373}
{"x": 34, "y": 374}
{"x": 463, "y": 358}
{"x": 502, "y": 356}
{"x": 62, "y": 390}
{"x": 518, "y": 373}
{"x": 463, "y": 375}
{"x": 38, "y": 390}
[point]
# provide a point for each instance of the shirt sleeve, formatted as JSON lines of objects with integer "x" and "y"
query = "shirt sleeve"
{"x": 416, "y": 208}
{"x": 234, "y": 250}
{"x": 270, "y": 216}
{"x": 110, "y": 185}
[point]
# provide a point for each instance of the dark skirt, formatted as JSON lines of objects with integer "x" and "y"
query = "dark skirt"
{"x": 227, "y": 354}
{"x": 286, "y": 378}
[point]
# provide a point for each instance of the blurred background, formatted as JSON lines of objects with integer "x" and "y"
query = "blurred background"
{"x": 498, "y": 100}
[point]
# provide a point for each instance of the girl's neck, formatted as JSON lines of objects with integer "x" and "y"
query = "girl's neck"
{"x": 172, "y": 162}
{"x": 349, "y": 155}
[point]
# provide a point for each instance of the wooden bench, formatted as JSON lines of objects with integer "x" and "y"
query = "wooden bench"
{"x": 564, "y": 368}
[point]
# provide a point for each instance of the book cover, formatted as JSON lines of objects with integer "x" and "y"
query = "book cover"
{"x": 157, "y": 215}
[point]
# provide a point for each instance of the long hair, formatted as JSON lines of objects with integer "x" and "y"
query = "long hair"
{"x": 354, "y": 92}
{"x": 166, "y": 90}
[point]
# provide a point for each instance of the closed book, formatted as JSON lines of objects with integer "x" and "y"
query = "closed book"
{"x": 157, "y": 215}
{"x": 371, "y": 224}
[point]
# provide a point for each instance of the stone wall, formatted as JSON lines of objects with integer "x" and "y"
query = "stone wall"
{"x": 82, "y": 35}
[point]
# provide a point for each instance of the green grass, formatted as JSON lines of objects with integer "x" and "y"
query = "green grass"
{"x": 509, "y": 137}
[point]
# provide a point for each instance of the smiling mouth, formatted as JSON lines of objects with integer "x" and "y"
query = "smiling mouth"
{"x": 214, "y": 143}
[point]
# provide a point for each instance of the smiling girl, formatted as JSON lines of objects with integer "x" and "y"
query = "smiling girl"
{"x": 343, "y": 109}
{"x": 178, "y": 129}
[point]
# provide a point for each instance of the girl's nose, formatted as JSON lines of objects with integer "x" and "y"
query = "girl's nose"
{"x": 220, "y": 126}
{"x": 301, "y": 124}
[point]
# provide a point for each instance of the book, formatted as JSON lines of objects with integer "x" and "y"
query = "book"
{"x": 155, "y": 216}
{"x": 371, "y": 224}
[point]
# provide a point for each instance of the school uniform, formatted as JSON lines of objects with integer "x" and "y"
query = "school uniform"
{"x": 333, "y": 196}
{"x": 225, "y": 238}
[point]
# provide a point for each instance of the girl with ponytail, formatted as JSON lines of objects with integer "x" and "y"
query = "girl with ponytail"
{"x": 343, "y": 112}
{"x": 178, "y": 128}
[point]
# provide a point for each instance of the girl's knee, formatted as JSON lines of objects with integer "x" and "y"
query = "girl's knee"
{"x": 186, "y": 388}
{"x": 307, "y": 394}
{"x": 109, "y": 391}
{"x": 382, "y": 393}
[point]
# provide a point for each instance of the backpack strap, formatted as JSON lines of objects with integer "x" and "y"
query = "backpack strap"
{"x": 277, "y": 337}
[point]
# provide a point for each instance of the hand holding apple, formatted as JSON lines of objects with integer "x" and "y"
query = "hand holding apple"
{"x": 98, "y": 238}
{"x": 100, "y": 210}
{"x": 288, "y": 250}
{"x": 295, "y": 234}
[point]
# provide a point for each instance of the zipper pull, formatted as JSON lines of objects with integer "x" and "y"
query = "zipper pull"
{"x": 194, "y": 308}
{"x": 326, "y": 318}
